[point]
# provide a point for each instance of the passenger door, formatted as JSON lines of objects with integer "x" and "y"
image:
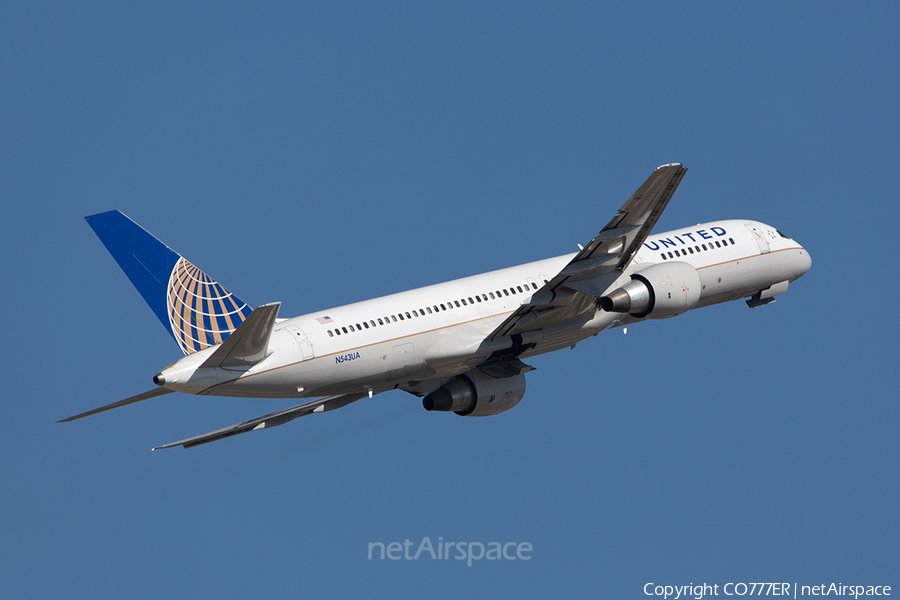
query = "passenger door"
{"x": 306, "y": 347}
{"x": 760, "y": 238}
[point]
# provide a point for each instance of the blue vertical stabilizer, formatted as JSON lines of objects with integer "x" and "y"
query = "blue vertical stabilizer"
{"x": 196, "y": 310}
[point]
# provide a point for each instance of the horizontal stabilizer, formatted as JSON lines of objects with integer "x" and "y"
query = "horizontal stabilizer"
{"x": 139, "y": 398}
{"x": 271, "y": 420}
{"x": 249, "y": 343}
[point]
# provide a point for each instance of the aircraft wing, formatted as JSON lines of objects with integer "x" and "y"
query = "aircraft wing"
{"x": 600, "y": 262}
{"x": 271, "y": 420}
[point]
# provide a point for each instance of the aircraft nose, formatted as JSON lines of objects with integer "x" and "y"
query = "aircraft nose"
{"x": 802, "y": 263}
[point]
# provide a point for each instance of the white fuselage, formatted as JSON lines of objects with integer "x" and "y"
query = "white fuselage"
{"x": 436, "y": 332}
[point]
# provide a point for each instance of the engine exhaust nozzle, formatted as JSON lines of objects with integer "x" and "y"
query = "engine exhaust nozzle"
{"x": 633, "y": 297}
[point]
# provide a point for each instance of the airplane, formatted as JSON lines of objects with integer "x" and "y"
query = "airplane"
{"x": 459, "y": 345}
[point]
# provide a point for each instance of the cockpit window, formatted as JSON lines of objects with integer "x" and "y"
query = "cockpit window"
{"x": 781, "y": 233}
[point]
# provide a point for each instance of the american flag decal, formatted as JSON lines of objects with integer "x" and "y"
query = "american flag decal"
{"x": 324, "y": 320}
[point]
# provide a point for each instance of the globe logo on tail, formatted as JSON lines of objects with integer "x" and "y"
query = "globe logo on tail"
{"x": 201, "y": 312}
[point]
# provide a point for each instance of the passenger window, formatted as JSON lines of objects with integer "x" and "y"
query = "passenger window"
{"x": 394, "y": 318}
{"x": 428, "y": 308}
{"x": 670, "y": 255}
{"x": 731, "y": 240}
{"x": 520, "y": 289}
{"x": 478, "y": 298}
{"x": 505, "y": 292}
{"x": 345, "y": 329}
{"x": 492, "y": 295}
{"x": 407, "y": 316}
{"x": 663, "y": 256}
{"x": 718, "y": 245}
{"x": 421, "y": 312}
{"x": 534, "y": 285}
{"x": 697, "y": 248}
{"x": 358, "y": 328}
{"x": 373, "y": 323}
{"x": 691, "y": 250}
{"x": 415, "y": 314}
{"x": 351, "y": 328}
{"x": 456, "y": 302}
{"x": 676, "y": 253}
{"x": 513, "y": 291}
{"x": 366, "y": 325}
{"x": 330, "y": 334}
{"x": 704, "y": 246}
{"x": 443, "y": 307}
{"x": 337, "y": 331}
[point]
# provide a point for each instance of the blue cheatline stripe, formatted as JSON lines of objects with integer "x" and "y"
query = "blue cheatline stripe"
{"x": 195, "y": 309}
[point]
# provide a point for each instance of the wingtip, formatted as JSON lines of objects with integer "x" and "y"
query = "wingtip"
{"x": 669, "y": 165}
{"x": 165, "y": 446}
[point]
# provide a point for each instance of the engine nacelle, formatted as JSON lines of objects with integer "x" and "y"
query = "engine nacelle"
{"x": 474, "y": 394}
{"x": 658, "y": 292}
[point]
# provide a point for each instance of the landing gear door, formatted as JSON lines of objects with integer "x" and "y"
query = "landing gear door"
{"x": 760, "y": 238}
{"x": 306, "y": 347}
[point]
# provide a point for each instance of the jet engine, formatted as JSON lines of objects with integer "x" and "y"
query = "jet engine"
{"x": 658, "y": 292}
{"x": 474, "y": 394}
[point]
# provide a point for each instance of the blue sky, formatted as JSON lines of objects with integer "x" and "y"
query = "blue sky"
{"x": 320, "y": 155}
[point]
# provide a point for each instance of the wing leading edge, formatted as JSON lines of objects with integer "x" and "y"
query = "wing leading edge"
{"x": 590, "y": 273}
